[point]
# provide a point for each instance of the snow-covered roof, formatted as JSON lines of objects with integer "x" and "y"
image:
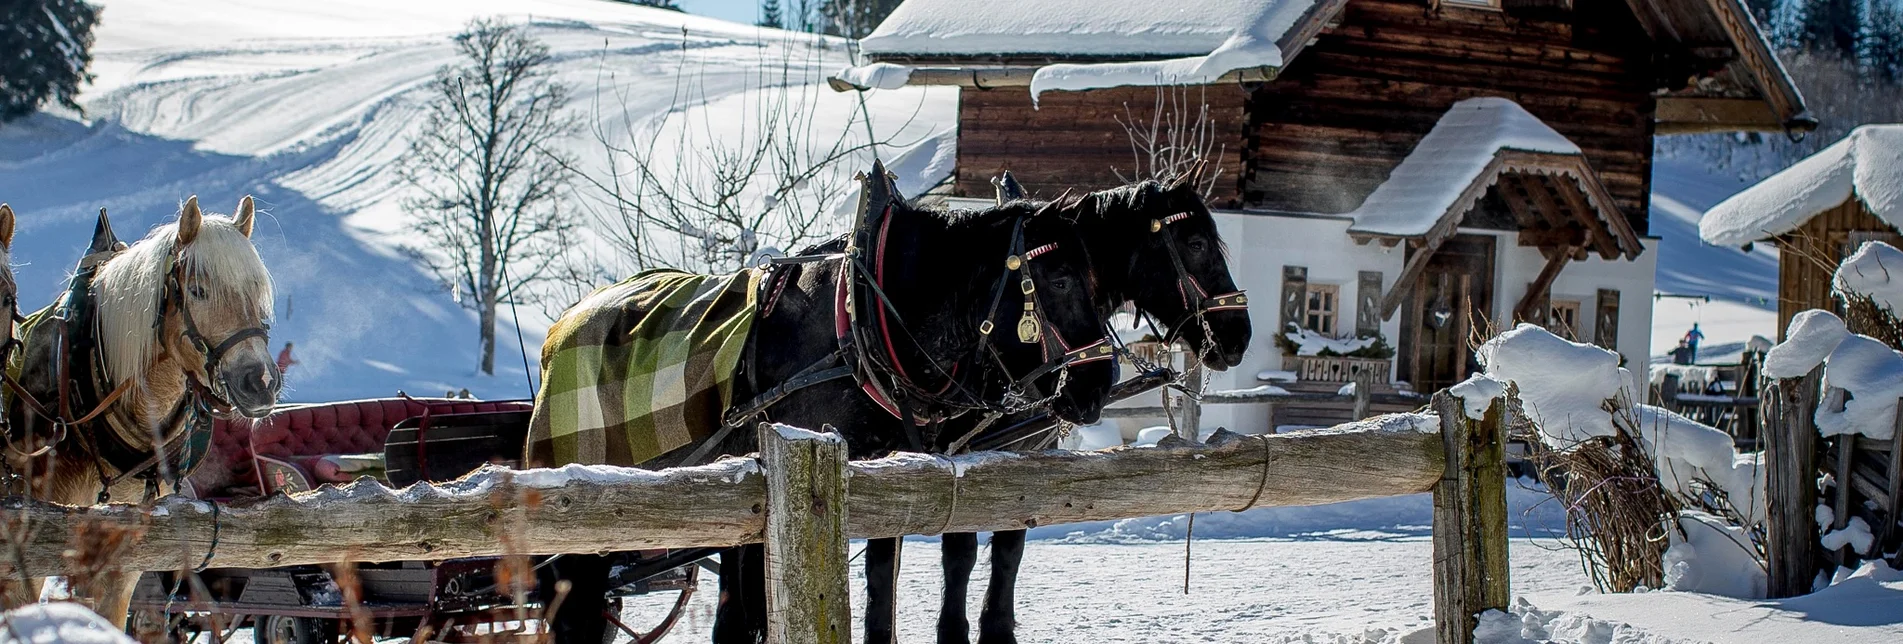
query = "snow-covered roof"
{"x": 1185, "y": 41}
{"x": 1433, "y": 179}
{"x": 1867, "y": 164}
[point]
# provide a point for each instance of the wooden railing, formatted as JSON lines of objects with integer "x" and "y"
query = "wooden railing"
{"x": 1339, "y": 368}
{"x": 804, "y": 500}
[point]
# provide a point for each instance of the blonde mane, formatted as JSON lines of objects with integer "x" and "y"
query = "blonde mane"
{"x": 128, "y": 287}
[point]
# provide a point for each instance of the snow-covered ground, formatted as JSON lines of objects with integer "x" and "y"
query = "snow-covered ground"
{"x": 308, "y": 106}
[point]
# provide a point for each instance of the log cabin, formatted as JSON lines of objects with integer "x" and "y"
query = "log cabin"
{"x": 1424, "y": 172}
{"x": 1817, "y": 212}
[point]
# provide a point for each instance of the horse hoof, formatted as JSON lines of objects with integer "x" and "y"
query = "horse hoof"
{"x": 954, "y": 633}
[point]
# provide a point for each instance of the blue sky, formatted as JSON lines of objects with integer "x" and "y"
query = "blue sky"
{"x": 741, "y": 11}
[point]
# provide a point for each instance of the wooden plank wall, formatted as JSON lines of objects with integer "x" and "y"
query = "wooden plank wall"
{"x": 1351, "y": 106}
{"x": 1809, "y": 257}
{"x": 1073, "y": 140}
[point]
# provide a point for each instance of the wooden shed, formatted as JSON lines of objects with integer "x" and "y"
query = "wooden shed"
{"x": 1419, "y": 171}
{"x": 1817, "y": 212}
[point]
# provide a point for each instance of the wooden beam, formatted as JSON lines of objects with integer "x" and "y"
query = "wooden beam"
{"x": 1409, "y": 273}
{"x": 807, "y": 601}
{"x": 1588, "y": 216}
{"x": 565, "y": 511}
{"x": 1754, "y": 53}
{"x": 1536, "y": 292}
{"x": 1699, "y": 115}
{"x": 1514, "y": 192}
{"x": 1470, "y": 519}
{"x": 1570, "y": 237}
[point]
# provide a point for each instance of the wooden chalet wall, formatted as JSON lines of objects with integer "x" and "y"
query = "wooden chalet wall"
{"x": 1074, "y": 140}
{"x": 1808, "y": 257}
{"x": 1351, "y": 106}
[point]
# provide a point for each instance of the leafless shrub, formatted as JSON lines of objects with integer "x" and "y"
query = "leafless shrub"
{"x": 1178, "y": 133}
{"x": 702, "y": 192}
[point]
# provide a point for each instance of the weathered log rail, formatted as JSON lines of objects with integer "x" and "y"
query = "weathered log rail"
{"x": 585, "y": 510}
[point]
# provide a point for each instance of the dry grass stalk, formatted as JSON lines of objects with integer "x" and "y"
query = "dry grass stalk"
{"x": 1616, "y": 510}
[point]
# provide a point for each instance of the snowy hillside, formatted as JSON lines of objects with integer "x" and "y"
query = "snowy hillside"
{"x": 308, "y": 105}
{"x": 1742, "y": 286}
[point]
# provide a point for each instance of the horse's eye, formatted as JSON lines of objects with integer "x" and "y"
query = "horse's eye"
{"x": 1198, "y": 245}
{"x": 198, "y": 292}
{"x": 1061, "y": 283}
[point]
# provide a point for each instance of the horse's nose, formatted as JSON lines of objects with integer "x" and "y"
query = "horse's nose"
{"x": 255, "y": 388}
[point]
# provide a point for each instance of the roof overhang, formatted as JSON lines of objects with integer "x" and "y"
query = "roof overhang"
{"x": 1737, "y": 83}
{"x": 1558, "y": 205}
{"x": 1020, "y": 69}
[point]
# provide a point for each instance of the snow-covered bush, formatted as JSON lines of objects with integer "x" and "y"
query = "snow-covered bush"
{"x": 1625, "y": 469}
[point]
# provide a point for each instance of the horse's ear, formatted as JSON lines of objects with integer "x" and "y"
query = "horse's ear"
{"x": 1189, "y": 178}
{"x": 6, "y": 226}
{"x": 189, "y": 219}
{"x": 244, "y": 216}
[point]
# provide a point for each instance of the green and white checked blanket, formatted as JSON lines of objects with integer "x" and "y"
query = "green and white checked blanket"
{"x": 640, "y": 368}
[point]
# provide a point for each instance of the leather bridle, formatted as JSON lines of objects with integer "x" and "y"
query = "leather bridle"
{"x": 214, "y": 354}
{"x": 1201, "y": 303}
{"x": 1033, "y": 326}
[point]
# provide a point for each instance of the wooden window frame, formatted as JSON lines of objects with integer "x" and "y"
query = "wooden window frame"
{"x": 1563, "y": 318}
{"x": 1331, "y": 314}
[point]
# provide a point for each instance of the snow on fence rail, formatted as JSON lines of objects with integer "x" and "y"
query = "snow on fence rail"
{"x": 592, "y": 509}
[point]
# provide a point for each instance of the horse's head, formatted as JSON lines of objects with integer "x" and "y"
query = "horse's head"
{"x": 1178, "y": 269}
{"x": 9, "y": 292}
{"x": 195, "y": 291}
{"x": 1047, "y": 328}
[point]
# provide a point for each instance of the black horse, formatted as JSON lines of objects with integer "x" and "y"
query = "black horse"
{"x": 1156, "y": 246}
{"x": 945, "y": 307}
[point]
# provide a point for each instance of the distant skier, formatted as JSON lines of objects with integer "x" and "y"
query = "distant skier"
{"x": 1684, "y": 354}
{"x": 1691, "y": 340}
{"x": 284, "y": 360}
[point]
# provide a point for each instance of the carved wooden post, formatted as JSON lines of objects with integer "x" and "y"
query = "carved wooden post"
{"x": 1790, "y": 451}
{"x": 1364, "y": 394}
{"x": 1192, "y": 424}
{"x": 1470, "y": 519}
{"x": 807, "y": 601}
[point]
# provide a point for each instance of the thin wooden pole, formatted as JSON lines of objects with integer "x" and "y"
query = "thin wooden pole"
{"x": 1892, "y": 504}
{"x": 806, "y": 562}
{"x": 1790, "y": 450}
{"x": 1192, "y": 424}
{"x": 1364, "y": 394}
{"x": 1470, "y": 520}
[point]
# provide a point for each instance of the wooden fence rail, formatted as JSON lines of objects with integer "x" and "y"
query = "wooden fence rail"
{"x": 822, "y": 501}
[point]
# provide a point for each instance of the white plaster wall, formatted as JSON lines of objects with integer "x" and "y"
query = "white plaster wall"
{"x": 1260, "y": 245}
{"x": 1517, "y": 265}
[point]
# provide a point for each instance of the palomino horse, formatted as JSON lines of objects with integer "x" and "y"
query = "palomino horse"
{"x": 149, "y": 342}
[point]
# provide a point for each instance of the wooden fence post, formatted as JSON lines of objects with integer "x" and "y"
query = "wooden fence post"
{"x": 1470, "y": 519}
{"x": 1790, "y": 451}
{"x": 806, "y": 563}
{"x": 1364, "y": 394}
{"x": 1192, "y": 420}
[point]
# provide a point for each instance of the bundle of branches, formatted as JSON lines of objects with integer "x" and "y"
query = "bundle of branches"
{"x": 1616, "y": 510}
{"x": 1863, "y": 315}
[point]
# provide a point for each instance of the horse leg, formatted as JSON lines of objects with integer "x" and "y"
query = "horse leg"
{"x": 579, "y": 619}
{"x": 882, "y": 574}
{"x": 999, "y": 621}
{"x": 960, "y": 554}
{"x": 741, "y": 616}
{"x": 116, "y": 603}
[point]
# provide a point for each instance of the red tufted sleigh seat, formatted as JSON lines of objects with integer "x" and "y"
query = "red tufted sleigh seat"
{"x": 303, "y": 446}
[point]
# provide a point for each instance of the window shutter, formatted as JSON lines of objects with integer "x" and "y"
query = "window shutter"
{"x": 1294, "y": 294}
{"x": 1368, "y": 304}
{"x": 1605, "y": 331}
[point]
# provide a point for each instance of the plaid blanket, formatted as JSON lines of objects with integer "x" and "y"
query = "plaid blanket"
{"x": 640, "y": 368}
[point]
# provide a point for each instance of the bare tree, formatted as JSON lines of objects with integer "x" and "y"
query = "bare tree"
{"x": 1176, "y": 135}
{"x": 698, "y": 191}
{"x": 492, "y": 193}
